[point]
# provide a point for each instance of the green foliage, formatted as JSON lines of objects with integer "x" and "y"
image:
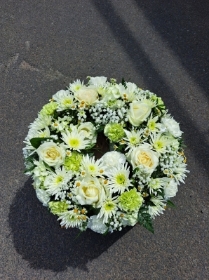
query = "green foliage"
{"x": 170, "y": 204}
{"x": 37, "y": 141}
{"x": 145, "y": 220}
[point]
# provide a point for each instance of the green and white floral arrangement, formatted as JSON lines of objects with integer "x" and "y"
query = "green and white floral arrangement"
{"x": 132, "y": 182}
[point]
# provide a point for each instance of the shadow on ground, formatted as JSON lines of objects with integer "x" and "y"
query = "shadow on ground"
{"x": 39, "y": 239}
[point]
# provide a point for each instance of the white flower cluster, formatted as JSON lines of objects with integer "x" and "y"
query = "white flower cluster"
{"x": 133, "y": 183}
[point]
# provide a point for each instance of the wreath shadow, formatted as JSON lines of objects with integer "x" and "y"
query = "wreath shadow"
{"x": 40, "y": 240}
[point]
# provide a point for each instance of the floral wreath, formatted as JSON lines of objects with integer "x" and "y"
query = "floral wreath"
{"x": 132, "y": 182}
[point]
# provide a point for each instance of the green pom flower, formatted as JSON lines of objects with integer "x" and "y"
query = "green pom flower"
{"x": 49, "y": 108}
{"x": 73, "y": 161}
{"x": 131, "y": 200}
{"x": 114, "y": 131}
{"x": 57, "y": 207}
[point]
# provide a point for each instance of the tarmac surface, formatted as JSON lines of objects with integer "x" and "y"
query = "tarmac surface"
{"x": 161, "y": 46}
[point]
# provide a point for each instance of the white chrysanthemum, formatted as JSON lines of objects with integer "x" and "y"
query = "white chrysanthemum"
{"x": 75, "y": 86}
{"x": 158, "y": 207}
{"x": 57, "y": 181}
{"x": 108, "y": 209}
{"x": 133, "y": 138}
{"x": 42, "y": 133}
{"x": 91, "y": 166}
{"x": 179, "y": 171}
{"x": 75, "y": 140}
{"x": 118, "y": 179}
{"x": 71, "y": 219}
{"x": 64, "y": 99}
{"x": 127, "y": 93}
{"x": 41, "y": 122}
{"x": 155, "y": 184}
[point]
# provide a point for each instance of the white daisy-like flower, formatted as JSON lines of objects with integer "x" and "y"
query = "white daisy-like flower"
{"x": 75, "y": 86}
{"x": 159, "y": 142}
{"x": 64, "y": 99}
{"x": 153, "y": 125}
{"x": 108, "y": 209}
{"x": 133, "y": 138}
{"x": 75, "y": 140}
{"x": 92, "y": 167}
{"x": 57, "y": 181}
{"x": 118, "y": 179}
{"x": 71, "y": 219}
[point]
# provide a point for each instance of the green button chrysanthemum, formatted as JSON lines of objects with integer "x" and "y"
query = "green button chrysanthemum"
{"x": 73, "y": 161}
{"x": 57, "y": 207}
{"x": 49, "y": 108}
{"x": 131, "y": 200}
{"x": 114, "y": 131}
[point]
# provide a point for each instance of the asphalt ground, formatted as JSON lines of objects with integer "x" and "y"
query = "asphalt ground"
{"x": 161, "y": 46}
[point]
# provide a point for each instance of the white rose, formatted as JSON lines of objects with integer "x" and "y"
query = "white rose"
{"x": 90, "y": 192}
{"x": 50, "y": 153}
{"x": 96, "y": 224}
{"x": 113, "y": 159}
{"x": 87, "y": 129}
{"x": 42, "y": 196}
{"x": 170, "y": 189}
{"x": 144, "y": 156}
{"x": 138, "y": 112}
{"x": 87, "y": 95}
{"x": 172, "y": 126}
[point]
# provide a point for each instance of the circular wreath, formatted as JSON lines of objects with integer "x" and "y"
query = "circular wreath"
{"x": 104, "y": 155}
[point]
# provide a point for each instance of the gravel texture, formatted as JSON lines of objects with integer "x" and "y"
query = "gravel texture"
{"x": 160, "y": 45}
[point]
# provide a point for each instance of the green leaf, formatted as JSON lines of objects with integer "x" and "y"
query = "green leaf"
{"x": 145, "y": 220}
{"x": 106, "y": 232}
{"x": 123, "y": 82}
{"x": 170, "y": 204}
{"x": 29, "y": 169}
{"x": 37, "y": 141}
{"x": 48, "y": 167}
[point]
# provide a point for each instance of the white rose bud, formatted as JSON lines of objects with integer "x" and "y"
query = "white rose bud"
{"x": 87, "y": 95}
{"x": 90, "y": 192}
{"x": 50, "y": 153}
{"x": 145, "y": 157}
{"x": 87, "y": 129}
{"x": 172, "y": 126}
{"x": 138, "y": 112}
